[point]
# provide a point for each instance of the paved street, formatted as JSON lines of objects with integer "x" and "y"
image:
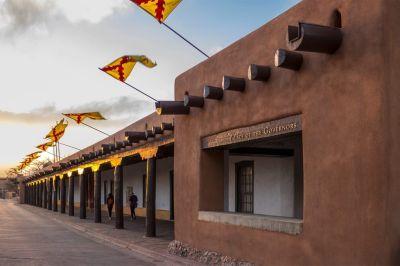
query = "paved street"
{"x": 30, "y": 239}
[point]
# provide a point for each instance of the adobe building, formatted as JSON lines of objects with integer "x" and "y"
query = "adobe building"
{"x": 293, "y": 160}
{"x": 284, "y": 144}
{"x": 136, "y": 159}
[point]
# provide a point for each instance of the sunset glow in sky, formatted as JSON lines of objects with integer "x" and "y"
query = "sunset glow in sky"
{"x": 50, "y": 52}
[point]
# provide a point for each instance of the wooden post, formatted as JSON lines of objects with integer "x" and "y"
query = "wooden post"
{"x": 40, "y": 194}
{"x": 71, "y": 205}
{"x": 151, "y": 197}
{"x": 55, "y": 194}
{"x": 118, "y": 196}
{"x": 97, "y": 196}
{"x": 36, "y": 195}
{"x": 44, "y": 195}
{"x": 50, "y": 195}
{"x": 63, "y": 194}
{"x": 82, "y": 194}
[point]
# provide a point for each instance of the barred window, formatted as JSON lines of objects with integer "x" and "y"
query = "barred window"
{"x": 245, "y": 187}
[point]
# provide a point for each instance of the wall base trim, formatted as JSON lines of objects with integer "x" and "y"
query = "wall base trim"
{"x": 290, "y": 226}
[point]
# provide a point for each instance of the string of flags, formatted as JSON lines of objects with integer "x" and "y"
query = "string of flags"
{"x": 53, "y": 139}
{"x": 120, "y": 69}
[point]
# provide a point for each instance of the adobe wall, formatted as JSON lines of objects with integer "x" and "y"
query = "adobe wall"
{"x": 347, "y": 102}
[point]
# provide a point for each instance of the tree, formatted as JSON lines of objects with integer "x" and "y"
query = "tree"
{"x": 37, "y": 166}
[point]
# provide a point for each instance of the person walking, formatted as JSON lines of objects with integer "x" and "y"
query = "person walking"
{"x": 133, "y": 200}
{"x": 110, "y": 204}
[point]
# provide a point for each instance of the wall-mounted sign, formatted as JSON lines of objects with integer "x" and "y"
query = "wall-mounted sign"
{"x": 268, "y": 129}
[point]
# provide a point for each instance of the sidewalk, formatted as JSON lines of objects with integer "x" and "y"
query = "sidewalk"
{"x": 131, "y": 238}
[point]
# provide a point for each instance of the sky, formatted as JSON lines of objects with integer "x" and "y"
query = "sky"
{"x": 50, "y": 52}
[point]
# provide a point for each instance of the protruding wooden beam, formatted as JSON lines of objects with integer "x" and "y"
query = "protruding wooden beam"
{"x": 288, "y": 59}
{"x": 193, "y": 101}
{"x": 259, "y": 73}
{"x": 214, "y": 93}
{"x": 135, "y": 136}
{"x": 106, "y": 148}
{"x": 167, "y": 126}
{"x": 233, "y": 84}
{"x": 314, "y": 38}
{"x": 149, "y": 134}
{"x": 118, "y": 145}
{"x": 157, "y": 130}
{"x": 172, "y": 108}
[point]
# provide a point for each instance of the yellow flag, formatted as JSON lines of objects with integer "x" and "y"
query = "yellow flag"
{"x": 45, "y": 146}
{"x": 159, "y": 9}
{"x": 122, "y": 67}
{"x": 34, "y": 155}
{"x": 57, "y": 132}
{"x": 79, "y": 117}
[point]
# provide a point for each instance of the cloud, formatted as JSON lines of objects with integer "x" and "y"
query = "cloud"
{"x": 118, "y": 112}
{"x": 89, "y": 10}
{"x": 19, "y": 16}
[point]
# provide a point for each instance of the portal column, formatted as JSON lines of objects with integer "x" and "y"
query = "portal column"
{"x": 36, "y": 194}
{"x": 44, "y": 194}
{"x": 118, "y": 193}
{"x": 71, "y": 207}
{"x": 82, "y": 194}
{"x": 21, "y": 192}
{"x": 55, "y": 194}
{"x": 50, "y": 194}
{"x": 40, "y": 191}
{"x": 151, "y": 197}
{"x": 63, "y": 194}
{"x": 97, "y": 194}
{"x": 28, "y": 195}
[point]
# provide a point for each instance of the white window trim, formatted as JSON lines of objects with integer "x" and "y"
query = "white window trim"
{"x": 290, "y": 226}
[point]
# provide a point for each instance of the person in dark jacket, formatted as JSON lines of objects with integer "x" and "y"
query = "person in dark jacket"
{"x": 133, "y": 200}
{"x": 110, "y": 204}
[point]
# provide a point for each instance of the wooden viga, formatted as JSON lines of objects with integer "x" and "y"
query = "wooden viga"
{"x": 135, "y": 136}
{"x": 233, "y": 84}
{"x": 172, "y": 108}
{"x": 193, "y": 101}
{"x": 314, "y": 38}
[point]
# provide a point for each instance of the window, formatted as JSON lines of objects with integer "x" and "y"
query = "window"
{"x": 245, "y": 187}
{"x": 105, "y": 192}
{"x": 144, "y": 191}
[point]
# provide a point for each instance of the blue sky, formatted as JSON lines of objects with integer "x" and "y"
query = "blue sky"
{"x": 51, "y": 49}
